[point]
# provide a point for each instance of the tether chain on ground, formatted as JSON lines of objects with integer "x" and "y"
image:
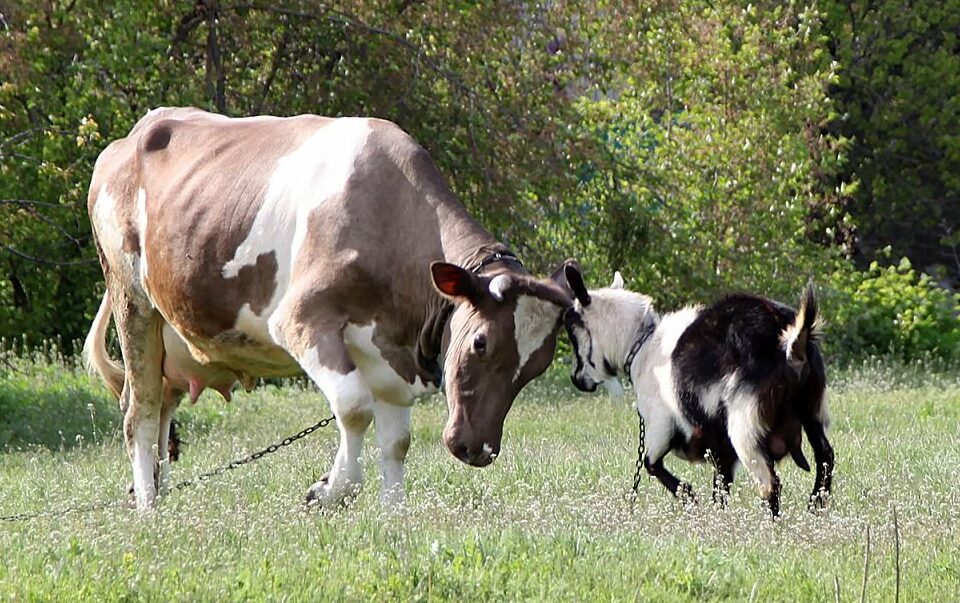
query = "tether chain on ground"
{"x": 638, "y": 475}
{"x": 179, "y": 486}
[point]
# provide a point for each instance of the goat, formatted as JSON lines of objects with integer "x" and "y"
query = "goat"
{"x": 734, "y": 381}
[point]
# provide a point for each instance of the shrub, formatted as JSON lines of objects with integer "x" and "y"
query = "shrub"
{"x": 892, "y": 310}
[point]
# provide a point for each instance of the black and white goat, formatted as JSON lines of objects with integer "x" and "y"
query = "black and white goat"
{"x": 738, "y": 378}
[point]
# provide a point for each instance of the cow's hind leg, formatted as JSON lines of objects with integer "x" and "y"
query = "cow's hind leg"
{"x": 171, "y": 398}
{"x": 138, "y": 328}
{"x": 393, "y": 438}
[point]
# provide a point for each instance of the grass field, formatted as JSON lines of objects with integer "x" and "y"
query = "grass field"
{"x": 548, "y": 521}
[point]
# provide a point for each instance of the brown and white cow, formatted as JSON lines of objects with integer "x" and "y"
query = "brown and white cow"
{"x": 266, "y": 246}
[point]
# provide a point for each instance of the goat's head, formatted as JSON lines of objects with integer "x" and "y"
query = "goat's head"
{"x": 602, "y": 326}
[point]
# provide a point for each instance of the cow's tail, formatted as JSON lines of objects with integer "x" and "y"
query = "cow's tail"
{"x": 95, "y": 355}
{"x": 804, "y": 328}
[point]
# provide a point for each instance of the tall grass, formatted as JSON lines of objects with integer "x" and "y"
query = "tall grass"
{"x": 549, "y": 520}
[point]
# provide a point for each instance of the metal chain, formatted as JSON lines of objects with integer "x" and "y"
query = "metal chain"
{"x": 252, "y": 457}
{"x": 637, "y": 476}
{"x": 180, "y": 486}
{"x": 99, "y": 506}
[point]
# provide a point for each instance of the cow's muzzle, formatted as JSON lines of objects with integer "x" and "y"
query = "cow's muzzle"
{"x": 476, "y": 454}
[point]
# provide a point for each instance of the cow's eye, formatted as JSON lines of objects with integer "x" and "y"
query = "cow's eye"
{"x": 480, "y": 344}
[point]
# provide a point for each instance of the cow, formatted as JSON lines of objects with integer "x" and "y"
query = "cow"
{"x": 239, "y": 248}
{"x": 733, "y": 381}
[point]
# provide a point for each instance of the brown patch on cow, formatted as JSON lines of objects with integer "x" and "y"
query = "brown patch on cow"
{"x": 400, "y": 448}
{"x": 131, "y": 240}
{"x": 158, "y": 136}
{"x": 204, "y": 187}
{"x": 356, "y": 419}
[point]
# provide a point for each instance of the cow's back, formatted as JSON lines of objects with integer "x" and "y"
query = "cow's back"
{"x": 225, "y": 217}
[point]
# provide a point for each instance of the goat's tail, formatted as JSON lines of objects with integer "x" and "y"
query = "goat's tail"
{"x": 804, "y": 328}
{"x": 95, "y": 355}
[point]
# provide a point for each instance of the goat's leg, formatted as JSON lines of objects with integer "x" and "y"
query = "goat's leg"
{"x": 724, "y": 461}
{"x": 823, "y": 455}
{"x": 659, "y": 433}
{"x": 745, "y": 432}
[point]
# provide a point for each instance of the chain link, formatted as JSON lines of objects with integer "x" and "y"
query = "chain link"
{"x": 638, "y": 475}
{"x": 180, "y": 486}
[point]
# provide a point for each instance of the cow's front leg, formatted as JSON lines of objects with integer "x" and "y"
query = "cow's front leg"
{"x": 392, "y": 424}
{"x": 323, "y": 356}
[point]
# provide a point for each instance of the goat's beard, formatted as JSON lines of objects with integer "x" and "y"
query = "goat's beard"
{"x": 615, "y": 388}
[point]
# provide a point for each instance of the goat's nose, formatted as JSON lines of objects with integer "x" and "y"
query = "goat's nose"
{"x": 583, "y": 384}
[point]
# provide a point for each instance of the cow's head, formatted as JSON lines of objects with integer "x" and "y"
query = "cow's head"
{"x": 503, "y": 333}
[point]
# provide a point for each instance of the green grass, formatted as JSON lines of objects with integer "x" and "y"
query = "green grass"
{"x": 548, "y": 521}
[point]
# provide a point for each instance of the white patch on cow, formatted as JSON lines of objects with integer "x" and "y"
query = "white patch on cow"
{"x": 488, "y": 450}
{"x": 498, "y": 285}
{"x": 142, "y": 234}
{"x": 302, "y": 180}
{"x": 350, "y": 399}
{"x": 392, "y": 424}
{"x": 109, "y": 232}
{"x": 252, "y": 325}
{"x": 386, "y": 384}
{"x": 533, "y": 321}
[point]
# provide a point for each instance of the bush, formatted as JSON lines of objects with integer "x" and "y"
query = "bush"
{"x": 892, "y": 310}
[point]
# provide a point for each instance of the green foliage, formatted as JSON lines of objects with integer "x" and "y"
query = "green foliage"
{"x": 897, "y": 100}
{"x": 893, "y": 310}
{"x": 702, "y": 178}
{"x": 699, "y": 147}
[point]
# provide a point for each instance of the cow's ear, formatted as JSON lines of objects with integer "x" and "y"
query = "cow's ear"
{"x": 455, "y": 282}
{"x": 575, "y": 282}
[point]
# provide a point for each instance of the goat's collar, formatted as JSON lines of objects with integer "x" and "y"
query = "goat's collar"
{"x": 645, "y": 332}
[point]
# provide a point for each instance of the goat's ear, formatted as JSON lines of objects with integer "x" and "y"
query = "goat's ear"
{"x": 455, "y": 282}
{"x": 617, "y": 280}
{"x": 575, "y": 282}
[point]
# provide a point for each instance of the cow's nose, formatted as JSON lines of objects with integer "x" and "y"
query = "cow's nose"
{"x": 473, "y": 455}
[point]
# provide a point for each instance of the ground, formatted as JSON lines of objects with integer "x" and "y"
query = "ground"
{"x": 549, "y": 520}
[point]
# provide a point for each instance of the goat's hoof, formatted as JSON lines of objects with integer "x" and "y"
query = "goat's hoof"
{"x": 685, "y": 494}
{"x": 819, "y": 501}
{"x": 721, "y": 498}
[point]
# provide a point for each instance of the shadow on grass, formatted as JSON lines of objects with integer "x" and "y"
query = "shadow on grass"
{"x": 53, "y": 407}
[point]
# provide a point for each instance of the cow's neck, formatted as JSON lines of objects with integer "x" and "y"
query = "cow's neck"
{"x": 465, "y": 243}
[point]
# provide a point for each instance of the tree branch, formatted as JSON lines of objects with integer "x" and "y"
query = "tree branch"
{"x": 46, "y": 262}
{"x": 335, "y": 16}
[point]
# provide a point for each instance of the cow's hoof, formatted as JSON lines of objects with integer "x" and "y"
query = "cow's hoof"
{"x": 326, "y": 495}
{"x": 685, "y": 494}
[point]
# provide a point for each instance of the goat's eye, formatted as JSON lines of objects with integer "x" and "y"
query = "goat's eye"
{"x": 480, "y": 344}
